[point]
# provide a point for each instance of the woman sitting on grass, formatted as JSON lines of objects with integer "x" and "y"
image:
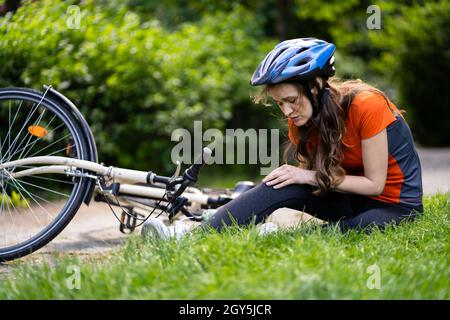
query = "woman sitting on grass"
{"x": 358, "y": 166}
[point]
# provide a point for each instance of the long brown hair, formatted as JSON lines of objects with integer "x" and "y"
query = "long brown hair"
{"x": 319, "y": 144}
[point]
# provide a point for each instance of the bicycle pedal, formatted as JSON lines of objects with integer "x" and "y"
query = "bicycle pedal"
{"x": 128, "y": 221}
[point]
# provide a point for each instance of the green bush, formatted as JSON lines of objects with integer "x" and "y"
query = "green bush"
{"x": 416, "y": 55}
{"x": 133, "y": 80}
{"x": 15, "y": 200}
{"x": 408, "y": 57}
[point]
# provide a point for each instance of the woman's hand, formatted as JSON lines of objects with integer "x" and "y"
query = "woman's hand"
{"x": 286, "y": 175}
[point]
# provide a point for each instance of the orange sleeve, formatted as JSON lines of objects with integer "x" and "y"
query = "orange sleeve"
{"x": 372, "y": 114}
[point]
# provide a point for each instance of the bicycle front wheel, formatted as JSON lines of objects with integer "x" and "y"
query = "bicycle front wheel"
{"x": 35, "y": 208}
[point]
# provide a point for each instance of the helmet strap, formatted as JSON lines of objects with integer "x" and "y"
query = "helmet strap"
{"x": 313, "y": 101}
{"x": 316, "y": 103}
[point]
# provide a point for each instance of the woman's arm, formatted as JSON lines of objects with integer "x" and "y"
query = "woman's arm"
{"x": 375, "y": 159}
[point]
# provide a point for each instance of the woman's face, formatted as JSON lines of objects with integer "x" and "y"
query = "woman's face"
{"x": 294, "y": 105}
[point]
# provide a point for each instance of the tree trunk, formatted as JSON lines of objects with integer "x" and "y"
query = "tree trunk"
{"x": 283, "y": 18}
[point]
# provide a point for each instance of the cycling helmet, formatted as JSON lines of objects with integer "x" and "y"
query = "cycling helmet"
{"x": 296, "y": 60}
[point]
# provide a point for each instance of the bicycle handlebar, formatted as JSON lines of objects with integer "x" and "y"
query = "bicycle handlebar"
{"x": 192, "y": 172}
{"x": 161, "y": 179}
{"x": 189, "y": 177}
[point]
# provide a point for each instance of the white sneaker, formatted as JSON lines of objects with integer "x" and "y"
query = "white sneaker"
{"x": 156, "y": 229}
{"x": 268, "y": 227}
{"x": 207, "y": 214}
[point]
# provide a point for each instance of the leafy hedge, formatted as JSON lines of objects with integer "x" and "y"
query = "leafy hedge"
{"x": 133, "y": 80}
{"x": 409, "y": 56}
{"x": 415, "y": 54}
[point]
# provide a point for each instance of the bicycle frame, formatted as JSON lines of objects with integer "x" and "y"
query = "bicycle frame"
{"x": 137, "y": 193}
{"x": 126, "y": 178}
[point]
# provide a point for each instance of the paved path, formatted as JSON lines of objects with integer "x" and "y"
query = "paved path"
{"x": 435, "y": 169}
{"x": 94, "y": 230}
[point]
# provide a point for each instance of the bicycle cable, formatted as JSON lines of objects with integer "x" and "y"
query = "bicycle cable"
{"x": 142, "y": 221}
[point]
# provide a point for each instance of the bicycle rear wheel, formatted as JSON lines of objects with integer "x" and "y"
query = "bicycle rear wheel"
{"x": 35, "y": 208}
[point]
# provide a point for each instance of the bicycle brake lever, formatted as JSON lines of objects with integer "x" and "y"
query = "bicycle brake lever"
{"x": 173, "y": 182}
{"x": 183, "y": 184}
{"x": 190, "y": 175}
{"x": 177, "y": 170}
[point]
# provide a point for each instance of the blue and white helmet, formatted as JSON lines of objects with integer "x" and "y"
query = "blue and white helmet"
{"x": 296, "y": 60}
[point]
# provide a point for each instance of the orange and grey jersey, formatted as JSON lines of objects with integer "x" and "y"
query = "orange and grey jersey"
{"x": 368, "y": 115}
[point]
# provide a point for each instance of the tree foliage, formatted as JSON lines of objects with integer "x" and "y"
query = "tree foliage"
{"x": 134, "y": 80}
{"x": 140, "y": 69}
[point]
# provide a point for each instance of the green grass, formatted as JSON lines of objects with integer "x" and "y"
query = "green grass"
{"x": 220, "y": 179}
{"x": 308, "y": 263}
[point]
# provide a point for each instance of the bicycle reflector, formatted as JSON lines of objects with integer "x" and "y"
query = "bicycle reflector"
{"x": 68, "y": 149}
{"x": 37, "y": 131}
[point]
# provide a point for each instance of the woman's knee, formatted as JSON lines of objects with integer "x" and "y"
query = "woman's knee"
{"x": 257, "y": 203}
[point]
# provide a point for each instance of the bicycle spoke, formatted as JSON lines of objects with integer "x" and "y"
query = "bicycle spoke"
{"x": 13, "y": 222}
{"x": 8, "y": 136}
{"x": 29, "y": 194}
{"x": 11, "y": 216}
{"x": 9, "y": 119}
{"x": 44, "y": 178}
{"x": 51, "y": 179}
{"x": 35, "y": 207}
{"x": 40, "y": 187}
{"x": 32, "y": 143}
{"x": 57, "y": 151}
{"x": 1, "y": 212}
{"x": 50, "y": 154}
{"x": 45, "y": 200}
{"x": 34, "y": 215}
{"x": 38, "y": 139}
{"x": 51, "y": 145}
{"x": 28, "y": 118}
{"x": 11, "y": 147}
{"x": 29, "y": 138}
{"x": 1, "y": 153}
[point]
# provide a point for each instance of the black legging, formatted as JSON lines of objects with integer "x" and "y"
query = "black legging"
{"x": 349, "y": 211}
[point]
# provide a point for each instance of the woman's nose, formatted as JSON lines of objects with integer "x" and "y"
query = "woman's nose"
{"x": 287, "y": 109}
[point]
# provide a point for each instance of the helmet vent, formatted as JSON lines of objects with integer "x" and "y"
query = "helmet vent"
{"x": 303, "y": 61}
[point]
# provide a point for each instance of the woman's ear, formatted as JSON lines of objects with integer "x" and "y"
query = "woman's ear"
{"x": 318, "y": 84}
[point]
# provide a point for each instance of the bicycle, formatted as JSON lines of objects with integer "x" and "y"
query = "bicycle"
{"x": 49, "y": 167}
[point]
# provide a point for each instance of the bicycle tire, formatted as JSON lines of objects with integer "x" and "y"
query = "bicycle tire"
{"x": 69, "y": 208}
